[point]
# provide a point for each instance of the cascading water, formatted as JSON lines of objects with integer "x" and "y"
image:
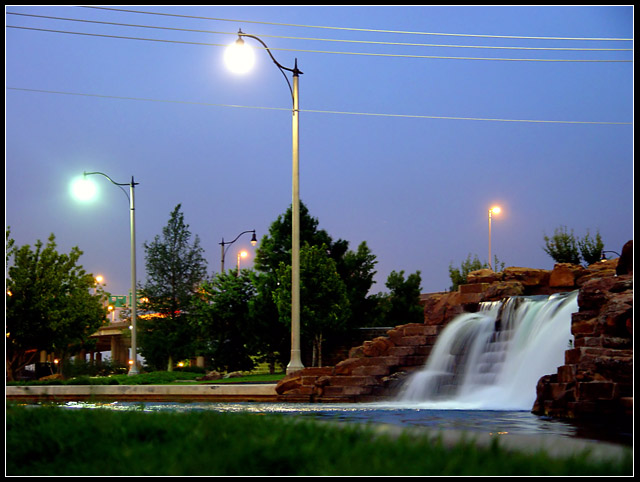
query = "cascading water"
{"x": 494, "y": 358}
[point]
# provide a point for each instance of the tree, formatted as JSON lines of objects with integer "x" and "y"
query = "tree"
{"x": 49, "y": 304}
{"x": 356, "y": 269}
{"x": 324, "y": 307}
{"x": 225, "y": 320}
{"x": 175, "y": 269}
{"x": 402, "y": 304}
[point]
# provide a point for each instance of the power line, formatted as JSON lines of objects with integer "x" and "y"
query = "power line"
{"x": 355, "y": 29}
{"x": 368, "y": 42}
{"x": 323, "y": 51}
{"x": 314, "y": 111}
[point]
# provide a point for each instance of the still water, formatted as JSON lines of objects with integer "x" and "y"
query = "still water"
{"x": 486, "y": 421}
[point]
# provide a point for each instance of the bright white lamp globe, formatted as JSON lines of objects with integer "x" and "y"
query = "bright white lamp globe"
{"x": 239, "y": 57}
{"x": 83, "y": 189}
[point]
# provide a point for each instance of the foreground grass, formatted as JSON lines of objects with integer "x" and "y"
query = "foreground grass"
{"x": 54, "y": 441}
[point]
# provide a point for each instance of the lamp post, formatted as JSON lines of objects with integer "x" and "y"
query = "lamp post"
{"x": 239, "y": 47}
{"x": 493, "y": 210}
{"x": 133, "y": 369}
{"x": 254, "y": 241}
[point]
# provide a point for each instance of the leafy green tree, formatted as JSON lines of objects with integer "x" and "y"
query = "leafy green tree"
{"x": 324, "y": 303}
{"x": 225, "y": 320}
{"x": 357, "y": 270}
{"x": 49, "y": 303}
{"x": 274, "y": 337}
{"x": 175, "y": 269}
{"x": 591, "y": 248}
{"x": 274, "y": 251}
{"x": 275, "y": 248}
{"x": 402, "y": 304}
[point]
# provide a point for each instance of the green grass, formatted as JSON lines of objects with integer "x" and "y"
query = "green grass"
{"x": 53, "y": 441}
{"x": 154, "y": 378}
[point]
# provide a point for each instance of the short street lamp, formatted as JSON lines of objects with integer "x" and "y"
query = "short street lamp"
{"x": 239, "y": 59}
{"x": 254, "y": 241}
{"x": 85, "y": 190}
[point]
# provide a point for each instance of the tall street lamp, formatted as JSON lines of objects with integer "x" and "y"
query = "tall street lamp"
{"x": 85, "y": 190}
{"x": 493, "y": 210}
{"x": 239, "y": 58}
{"x": 254, "y": 241}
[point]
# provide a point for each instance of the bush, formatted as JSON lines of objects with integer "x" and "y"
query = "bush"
{"x": 563, "y": 247}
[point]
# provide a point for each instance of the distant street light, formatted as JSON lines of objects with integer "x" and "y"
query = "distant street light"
{"x": 493, "y": 210}
{"x": 84, "y": 190}
{"x": 241, "y": 254}
{"x": 239, "y": 59}
{"x": 254, "y": 241}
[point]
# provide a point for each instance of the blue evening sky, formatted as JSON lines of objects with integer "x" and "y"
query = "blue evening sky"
{"x": 457, "y": 132}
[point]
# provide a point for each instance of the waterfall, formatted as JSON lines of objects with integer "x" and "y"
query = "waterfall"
{"x": 494, "y": 358}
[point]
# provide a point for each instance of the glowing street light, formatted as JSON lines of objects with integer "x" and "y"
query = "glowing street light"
{"x": 84, "y": 190}
{"x": 241, "y": 254}
{"x": 242, "y": 63}
{"x": 254, "y": 241}
{"x": 492, "y": 210}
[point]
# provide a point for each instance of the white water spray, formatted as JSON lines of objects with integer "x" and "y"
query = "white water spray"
{"x": 493, "y": 359}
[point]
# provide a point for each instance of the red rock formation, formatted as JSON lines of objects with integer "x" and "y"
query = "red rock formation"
{"x": 597, "y": 377}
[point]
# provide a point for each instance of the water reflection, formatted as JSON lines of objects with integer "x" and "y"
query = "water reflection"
{"x": 487, "y": 421}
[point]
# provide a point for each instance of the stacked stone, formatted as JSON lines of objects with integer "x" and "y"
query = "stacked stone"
{"x": 596, "y": 380}
{"x": 368, "y": 372}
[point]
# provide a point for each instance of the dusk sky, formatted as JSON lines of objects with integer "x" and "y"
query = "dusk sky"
{"x": 414, "y": 122}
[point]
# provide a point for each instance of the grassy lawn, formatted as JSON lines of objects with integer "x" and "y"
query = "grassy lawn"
{"x": 52, "y": 441}
{"x": 156, "y": 378}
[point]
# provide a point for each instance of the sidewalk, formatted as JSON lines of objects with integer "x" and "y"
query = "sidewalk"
{"x": 233, "y": 392}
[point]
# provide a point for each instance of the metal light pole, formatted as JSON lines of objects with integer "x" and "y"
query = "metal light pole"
{"x": 295, "y": 362}
{"x": 254, "y": 241}
{"x": 493, "y": 210}
{"x": 133, "y": 369}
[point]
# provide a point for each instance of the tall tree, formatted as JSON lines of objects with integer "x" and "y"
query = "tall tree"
{"x": 403, "y": 303}
{"x": 325, "y": 307}
{"x": 225, "y": 321}
{"x": 176, "y": 268}
{"x": 52, "y": 304}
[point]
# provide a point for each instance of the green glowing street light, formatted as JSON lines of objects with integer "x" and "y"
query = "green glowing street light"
{"x": 239, "y": 59}
{"x": 84, "y": 190}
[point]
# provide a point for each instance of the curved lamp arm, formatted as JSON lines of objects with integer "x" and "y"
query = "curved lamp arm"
{"x": 119, "y": 184}
{"x": 282, "y": 68}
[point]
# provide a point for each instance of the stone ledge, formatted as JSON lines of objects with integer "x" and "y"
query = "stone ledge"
{"x": 209, "y": 392}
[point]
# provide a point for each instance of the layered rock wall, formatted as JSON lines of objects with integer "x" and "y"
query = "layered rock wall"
{"x": 596, "y": 381}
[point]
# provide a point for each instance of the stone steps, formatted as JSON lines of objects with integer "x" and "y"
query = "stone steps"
{"x": 367, "y": 371}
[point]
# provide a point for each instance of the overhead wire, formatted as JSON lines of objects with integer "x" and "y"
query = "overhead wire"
{"x": 404, "y": 44}
{"x": 315, "y": 111}
{"x": 352, "y": 28}
{"x": 370, "y": 42}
